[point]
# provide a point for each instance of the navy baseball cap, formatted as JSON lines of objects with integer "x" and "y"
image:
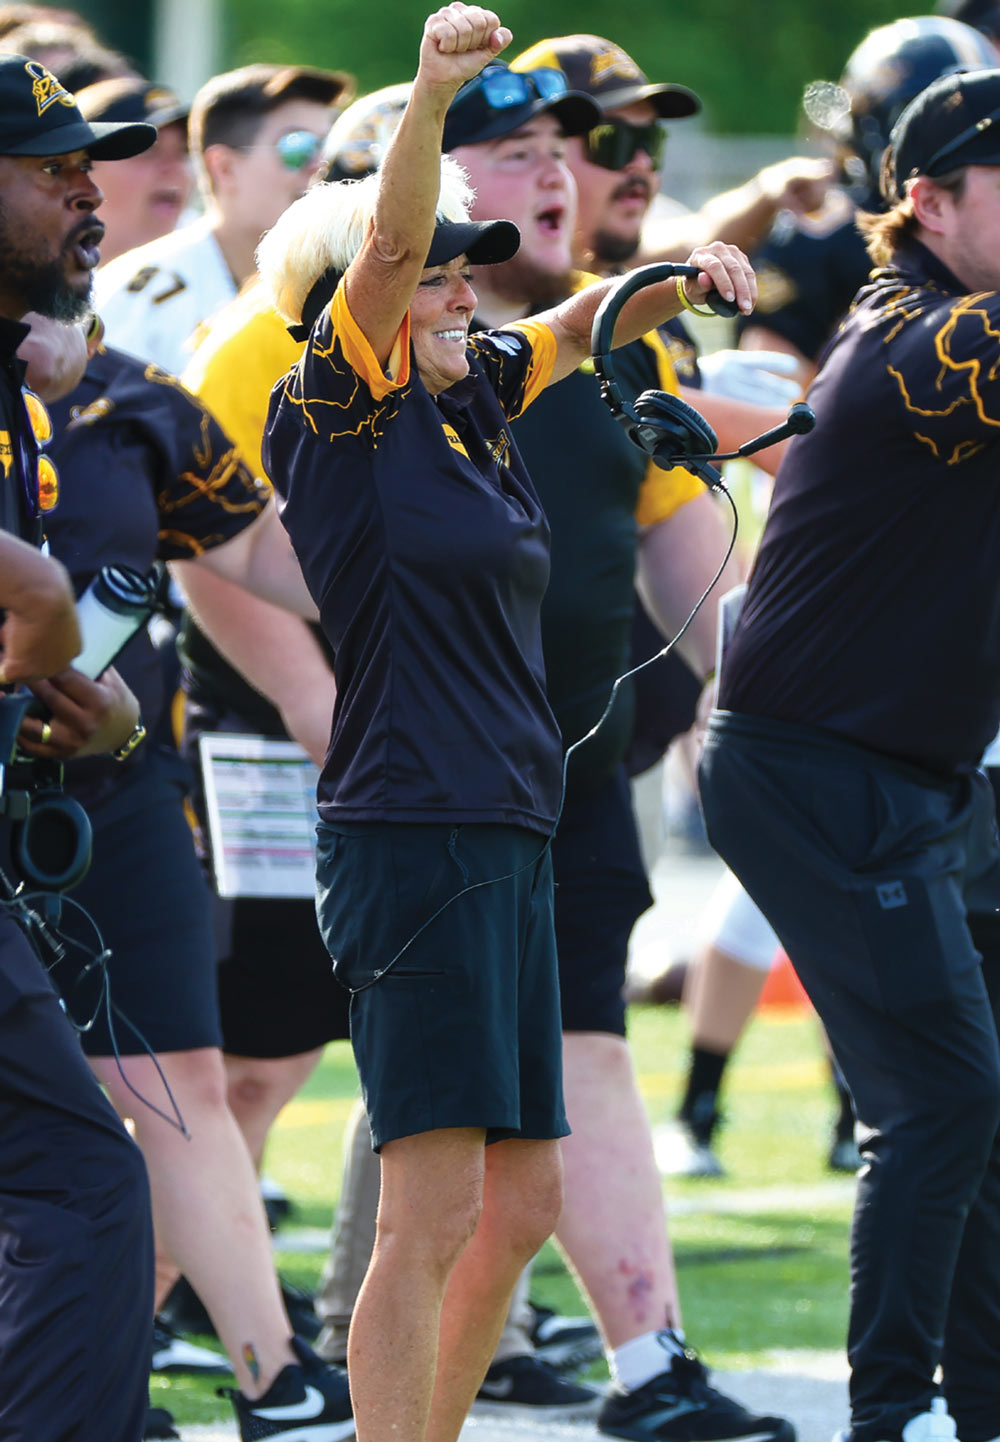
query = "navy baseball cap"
{"x": 484, "y": 242}
{"x": 39, "y": 116}
{"x": 954, "y": 122}
{"x": 498, "y": 101}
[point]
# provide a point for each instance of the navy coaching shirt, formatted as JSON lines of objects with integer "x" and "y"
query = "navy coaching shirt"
{"x": 873, "y": 608}
{"x": 425, "y": 547}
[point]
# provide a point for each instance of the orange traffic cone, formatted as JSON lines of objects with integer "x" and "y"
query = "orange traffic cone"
{"x": 782, "y": 987}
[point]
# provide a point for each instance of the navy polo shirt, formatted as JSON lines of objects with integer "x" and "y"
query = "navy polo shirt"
{"x": 425, "y": 546}
{"x": 145, "y": 474}
{"x": 873, "y": 608}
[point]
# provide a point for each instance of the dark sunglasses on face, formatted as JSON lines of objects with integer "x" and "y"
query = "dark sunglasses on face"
{"x": 616, "y": 143}
{"x": 295, "y": 150}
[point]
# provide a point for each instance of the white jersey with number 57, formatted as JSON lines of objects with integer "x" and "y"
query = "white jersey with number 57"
{"x": 153, "y": 299}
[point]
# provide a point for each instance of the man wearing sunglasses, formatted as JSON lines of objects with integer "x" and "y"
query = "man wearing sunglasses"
{"x": 617, "y": 164}
{"x": 255, "y": 137}
{"x": 840, "y": 779}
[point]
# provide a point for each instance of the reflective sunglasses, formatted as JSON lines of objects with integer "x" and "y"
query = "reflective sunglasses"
{"x": 502, "y": 88}
{"x": 41, "y": 480}
{"x": 615, "y": 143}
{"x": 295, "y": 150}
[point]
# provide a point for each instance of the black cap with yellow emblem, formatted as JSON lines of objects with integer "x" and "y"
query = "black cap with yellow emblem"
{"x": 38, "y": 116}
{"x": 607, "y": 74}
{"x": 128, "y": 99}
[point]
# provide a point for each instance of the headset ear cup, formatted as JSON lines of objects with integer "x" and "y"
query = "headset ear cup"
{"x": 669, "y": 427}
{"x": 51, "y": 847}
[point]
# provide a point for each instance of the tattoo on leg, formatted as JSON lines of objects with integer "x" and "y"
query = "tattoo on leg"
{"x": 252, "y": 1360}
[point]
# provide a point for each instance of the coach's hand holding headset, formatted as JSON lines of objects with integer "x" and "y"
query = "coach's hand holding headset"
{"x": 667, "y": 429}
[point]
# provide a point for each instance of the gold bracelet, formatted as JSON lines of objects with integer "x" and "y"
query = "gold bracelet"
{"x": 682, "y": 297}
{"x": 131, "y": 742}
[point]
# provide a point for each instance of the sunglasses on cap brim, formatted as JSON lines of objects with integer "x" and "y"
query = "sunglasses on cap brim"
{"x": 502, "y": 89}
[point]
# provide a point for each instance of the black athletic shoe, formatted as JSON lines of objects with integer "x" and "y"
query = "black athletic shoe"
{"x": 171, "y": 1354}
{"x": 525, "y": 1387}
{"x": 277, "y": 1204}
{"x": 680, "y": 1406}
{"x": 308, "y": 1401}
{"x": 159, "y": 1425}
{"x": 184, "y": 1311}
{"x": 564, "y": 1343}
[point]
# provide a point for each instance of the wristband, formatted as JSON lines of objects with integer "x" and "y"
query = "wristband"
{"x": 682, "y": 297}
{"x": 129, "y": 745}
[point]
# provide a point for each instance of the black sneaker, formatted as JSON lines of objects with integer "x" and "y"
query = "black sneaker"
{"x": 526, "y": 1387}
{"x": 184, "y": 1310}
{"x": 159, "y": 1425}
{"x": 278, "y": 1206}
{"x": 680, "y": 1406}
{"x": 564, "y": 1343}
{"x": 171, "y": 1354}
{"x": 308, "y": 1401}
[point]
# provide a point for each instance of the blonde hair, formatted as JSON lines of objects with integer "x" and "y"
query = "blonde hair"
{"x": 327, "y": 227}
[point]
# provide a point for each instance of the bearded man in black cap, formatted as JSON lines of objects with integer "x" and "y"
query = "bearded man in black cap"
{"x": 839, "y": 777}
{"x": 75, "y": 1230}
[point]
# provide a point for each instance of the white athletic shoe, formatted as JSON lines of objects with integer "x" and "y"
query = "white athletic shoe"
{"x": 933, "y": 1426}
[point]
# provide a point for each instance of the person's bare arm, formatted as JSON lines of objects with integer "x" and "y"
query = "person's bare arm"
{"x": 259, "y": 559}
{"x": 742, "y": 216}
{"x": 720, "y": 267}
{"x": 458, "y": 41}
{"x": 39, "y": 635}
{"x": 274, "y": 650}
{"x": 677, "y": 559}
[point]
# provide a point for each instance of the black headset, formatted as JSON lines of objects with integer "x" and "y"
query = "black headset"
{"x": 666, "y": 428}
{"x": 51, "y": 846}
{"x": 50, "y": 833}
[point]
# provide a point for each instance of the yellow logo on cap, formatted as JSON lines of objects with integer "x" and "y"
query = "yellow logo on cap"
{"x": 46, "y": 88}
{"x": 613, "y": 64}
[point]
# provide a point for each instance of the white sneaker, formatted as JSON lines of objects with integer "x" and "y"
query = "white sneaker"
{"x": 933, "y": 1426}
{"x": 172, "y": 1353}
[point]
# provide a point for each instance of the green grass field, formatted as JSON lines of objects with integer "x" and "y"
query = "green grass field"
{"x": 761, "y": 1254}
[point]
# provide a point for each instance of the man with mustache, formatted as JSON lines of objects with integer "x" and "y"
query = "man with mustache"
{"x": 75, "y": 1227}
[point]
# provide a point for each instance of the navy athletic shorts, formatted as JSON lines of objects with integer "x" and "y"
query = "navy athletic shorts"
{"x": 460, "y": 1027}
{"x": 601, "y": 891}
{"x": 147, "y": 894}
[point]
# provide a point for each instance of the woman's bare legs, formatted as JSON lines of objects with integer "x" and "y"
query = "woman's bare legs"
{"x": 457, "y": 1223}
{"x": 206, "y": 1205}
